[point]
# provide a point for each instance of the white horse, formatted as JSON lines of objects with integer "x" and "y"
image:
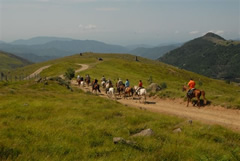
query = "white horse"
{"x": 103, "y": 83}
{"x": 111, "y": 93}
{"x": 141, "y": 93}
{"x": 83, "y": 83}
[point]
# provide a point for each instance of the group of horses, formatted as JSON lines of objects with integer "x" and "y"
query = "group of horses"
{"x": 120, "y": 90}
{"x": 131, "y": 91}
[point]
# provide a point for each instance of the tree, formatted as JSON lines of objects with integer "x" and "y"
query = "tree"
{"x": 70, "y": 73}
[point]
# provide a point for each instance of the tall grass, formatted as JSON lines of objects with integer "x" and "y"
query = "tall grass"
{"x": 49, "y": 122}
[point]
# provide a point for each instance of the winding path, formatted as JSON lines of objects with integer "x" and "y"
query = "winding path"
{"x": 210, "y": 114}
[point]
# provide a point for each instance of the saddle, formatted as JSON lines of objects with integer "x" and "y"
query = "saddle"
{"x": 190, "y": 92}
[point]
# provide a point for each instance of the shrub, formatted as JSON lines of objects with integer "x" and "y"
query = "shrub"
{"x": 163, "y": 85}
{"x": 70, "y": 73}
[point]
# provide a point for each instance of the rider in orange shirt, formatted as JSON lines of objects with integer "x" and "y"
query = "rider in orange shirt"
{"x": 191, "y": 85}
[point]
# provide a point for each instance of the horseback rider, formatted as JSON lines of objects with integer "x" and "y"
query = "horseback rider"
{"x": 139, "y": 85}
{"x": 95, "y": 85}
{"x": 191, "y": 85}
{"x": 103, "y": 79}
{"x": 120, "y": 82}
{"x": 110, "y": 83}
{"x": 127, "y": 84}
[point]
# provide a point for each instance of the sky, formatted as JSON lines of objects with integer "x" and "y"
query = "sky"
{"x": 123, "y": 22}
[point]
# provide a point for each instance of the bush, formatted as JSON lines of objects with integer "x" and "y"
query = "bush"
{"x": 70, "y": 73}
{"x": 163, "y": 85}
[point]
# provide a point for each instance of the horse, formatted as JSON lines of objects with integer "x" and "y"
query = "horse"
{"x": 140, "y": 92}
{"x": 196, "y": 93}
{"x": 103, "y": 83}
{"x": 95, "y": 87}
{"x": 129, "y": 91}
{"x": 111, "y": 92}
{"x": 120, "y": 88}
{"x": 87, "y": 80}
{"x": 79, "y": 82}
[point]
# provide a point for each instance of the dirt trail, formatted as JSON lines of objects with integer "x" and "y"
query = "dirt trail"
{"x": 37, "y": 72}
{"x": 210, "y": 114}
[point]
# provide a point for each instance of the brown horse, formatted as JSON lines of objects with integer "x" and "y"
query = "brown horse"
{"x": 95, "y": 87}
{"x": 196, "y": 93}
{"x": 128, "y": 91}
{"x": 120, "y": 88}
{"x": 87, "y": 80}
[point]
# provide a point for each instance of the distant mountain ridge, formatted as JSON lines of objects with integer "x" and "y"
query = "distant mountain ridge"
{"x": 39, "y": 40}
{"x": 154, "y": 52}
{"x": 52, "y": 47}
{"x": 209, "y": 55}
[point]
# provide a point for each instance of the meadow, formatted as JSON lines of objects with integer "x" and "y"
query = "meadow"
{"x": 124, "y": 66}
{"x": 47, "y": 121}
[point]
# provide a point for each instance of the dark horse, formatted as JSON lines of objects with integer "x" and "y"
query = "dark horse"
{"x": 196, "y": 93}
{"x": 95, "y": 87}
{"x": 87, "y": 80}
{"x": 120, "y": 88}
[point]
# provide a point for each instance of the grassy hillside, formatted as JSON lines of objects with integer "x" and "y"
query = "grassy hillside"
{"x": 45, "y": 121}
{"x": 210, "y": 55}
{"x": 124, "y": 66}
{"x": 9, "y": 61}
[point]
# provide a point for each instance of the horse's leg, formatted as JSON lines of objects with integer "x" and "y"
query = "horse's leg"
{"x": 188, "y": 101}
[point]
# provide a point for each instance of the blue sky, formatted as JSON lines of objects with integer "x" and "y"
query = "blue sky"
{"x": 121, "y": 22}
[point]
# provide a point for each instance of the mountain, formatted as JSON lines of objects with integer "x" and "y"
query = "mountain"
{"x": 153, "y": 53}
{"x": 60, "y": 48}
{"x": 9, "y": 61}
{"x": 132, "y": 47}
{"x": 2, "y": 42}
{"x": 209, "y": 55}
{"x": 39, "y": 40}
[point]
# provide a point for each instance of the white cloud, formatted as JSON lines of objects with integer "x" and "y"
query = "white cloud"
{"x": 193, "y": 32}
{"x": 107, "y": 9}
{"x": 87, "y": 27}
{"x": 219, "y": 32}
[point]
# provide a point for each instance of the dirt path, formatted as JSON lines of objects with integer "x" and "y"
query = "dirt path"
{"x": 37, "y": 72}
{"x": 210, "y": 114}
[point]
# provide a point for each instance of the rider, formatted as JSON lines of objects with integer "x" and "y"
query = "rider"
{"x": 119, "y": 82}
{"x": 110, "y": 83}
{"x": 127, "y": 84}
{"x": 191, "y": 85}
{"x": 139, "y": 85}
{"x": 95, "y": 82}
{"x": 103, "y": 79}
{"x": 78, "y": 77}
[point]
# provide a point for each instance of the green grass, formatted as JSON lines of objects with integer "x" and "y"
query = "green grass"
{"x": 49, "y": 122}
{"x": 9, "y": 61}
{"x": 124, "y": 66}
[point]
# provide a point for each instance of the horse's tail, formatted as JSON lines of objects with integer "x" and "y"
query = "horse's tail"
{"x": 204, "y": 99}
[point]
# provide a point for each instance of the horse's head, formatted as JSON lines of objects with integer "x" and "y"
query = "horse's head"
{"x": 184, "y": 88}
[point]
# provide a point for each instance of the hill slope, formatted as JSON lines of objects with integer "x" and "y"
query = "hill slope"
{"x": 9, "y": 61}
{"x": 124, "y": 66}
{"x": 210, "y": 55}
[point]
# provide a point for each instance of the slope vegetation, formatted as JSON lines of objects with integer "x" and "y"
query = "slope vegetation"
{"x": 9, "y": 61}
{"x": 124, "y": 66}
{"x": 210, "y": 55}
{"x": 47, "y": 121}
